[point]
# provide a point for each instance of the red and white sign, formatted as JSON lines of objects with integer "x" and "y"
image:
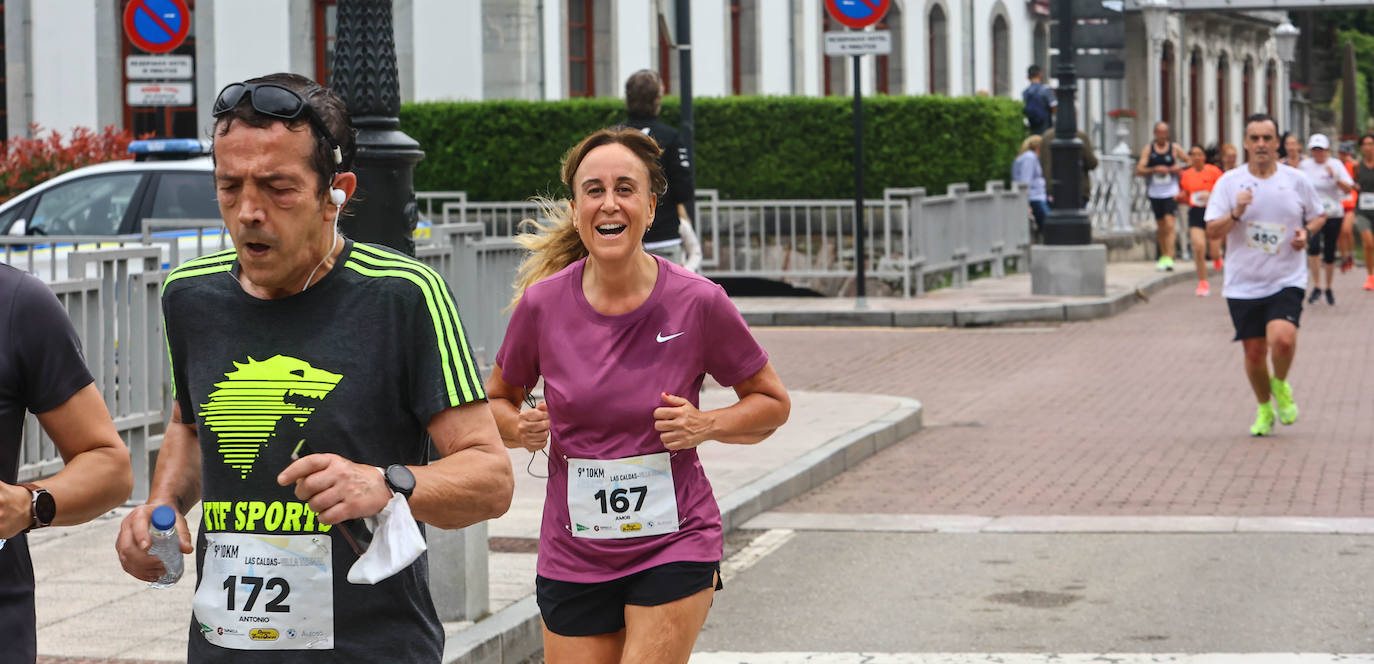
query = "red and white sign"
{"x": 157, "y": 26}
{"x": 858, "y": 14}
{"x": 159, "y": 94}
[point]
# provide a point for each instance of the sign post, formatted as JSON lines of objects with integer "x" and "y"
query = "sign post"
{"x": 158, "y": 26}
{"x": 858, "y": 14}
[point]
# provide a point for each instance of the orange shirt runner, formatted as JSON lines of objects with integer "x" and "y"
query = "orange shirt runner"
{"x": 1196, "y": 185}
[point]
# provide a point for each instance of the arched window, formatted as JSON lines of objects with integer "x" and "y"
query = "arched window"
{"x": 1001, "y": 58}
{"x": 1271, "y": 72}
{"x": 890, "y": 74}
{"x": 1166, "y": 85}
{"x": 1245, "y": 87}
{"x": 1223, "y": 99}
{"x": 835, "y": 69}
{"x": 1195, "y": 97}
{"x": 581, "y": 49}
{"x": 937, "y": 36}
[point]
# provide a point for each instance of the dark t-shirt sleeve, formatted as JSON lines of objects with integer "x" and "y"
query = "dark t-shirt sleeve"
{"x": 443, "y": 370}
{"x": 731, "y": 353}
{"x": 519, "y": 354}
{"x": 47, "y": 349}
{"x": 678, "y": 166}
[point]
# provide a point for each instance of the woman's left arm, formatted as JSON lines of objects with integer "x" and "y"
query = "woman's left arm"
{"x": 763, "y": 406}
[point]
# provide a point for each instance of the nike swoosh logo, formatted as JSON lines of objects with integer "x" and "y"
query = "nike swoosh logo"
{"x": 662, "y": 338}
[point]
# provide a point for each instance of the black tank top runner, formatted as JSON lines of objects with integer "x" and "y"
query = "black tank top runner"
{"x": 1165, "y": 158}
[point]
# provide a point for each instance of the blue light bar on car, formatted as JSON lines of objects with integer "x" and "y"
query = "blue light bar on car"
{"x": 168, "y": 146}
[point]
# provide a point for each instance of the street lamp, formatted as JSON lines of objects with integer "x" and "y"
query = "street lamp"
{"x": 1286, "y": 40}
{"x": 1156, "y": 14}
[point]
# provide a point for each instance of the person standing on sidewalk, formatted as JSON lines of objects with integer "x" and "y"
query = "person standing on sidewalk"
{"x": 295, "y": 341}
{"x": 1266, "y": 211}
{"x": 665, "y": 236}
{"x": 43, "y": 372}
{"x": 1026, "y": 169}
{"x": 631, "y": 541}
{"x": 1195, "y": 184}
{"x": 1329, "y": 177}
{"x": 1161, "y": 161}
{"x": 1364, "y": 205}
{"x": 1038, "y": 102}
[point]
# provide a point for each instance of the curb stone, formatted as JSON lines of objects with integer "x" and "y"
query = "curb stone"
{"x": 513, "y": 634}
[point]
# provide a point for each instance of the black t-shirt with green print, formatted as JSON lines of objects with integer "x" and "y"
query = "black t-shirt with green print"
{"x": 355, "y": 365}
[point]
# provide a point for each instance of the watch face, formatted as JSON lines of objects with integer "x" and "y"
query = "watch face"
{"x": 401, "y": 479}
{"x": 44, "y": 507}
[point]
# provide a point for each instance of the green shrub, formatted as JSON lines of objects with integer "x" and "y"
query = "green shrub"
{"x": 746, "y": 147}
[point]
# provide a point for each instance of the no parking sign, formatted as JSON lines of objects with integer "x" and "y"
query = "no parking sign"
{"x": 858, "y": 14}
{"x": 157, "y": 26}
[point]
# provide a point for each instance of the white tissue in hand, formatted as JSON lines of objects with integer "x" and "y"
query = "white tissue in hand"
{"x": 396, "y": 543}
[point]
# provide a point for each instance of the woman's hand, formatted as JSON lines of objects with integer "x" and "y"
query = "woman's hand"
{"x": 533, "y": 427}
{"x": 680, "y": 425}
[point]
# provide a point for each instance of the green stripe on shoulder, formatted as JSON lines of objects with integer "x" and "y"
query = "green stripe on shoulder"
{"x": 184, "y": 272}
{"x": 200, "y": 261}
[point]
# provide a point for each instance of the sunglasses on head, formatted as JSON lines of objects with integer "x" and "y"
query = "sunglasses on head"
{"x": 274, "y": 101}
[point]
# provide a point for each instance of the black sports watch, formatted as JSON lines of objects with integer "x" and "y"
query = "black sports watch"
{"x": 399, "y": 479}
{"x": 43, "y": 508}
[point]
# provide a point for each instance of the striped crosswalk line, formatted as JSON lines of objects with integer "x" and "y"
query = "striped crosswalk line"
{"x": 1022, "y": 658}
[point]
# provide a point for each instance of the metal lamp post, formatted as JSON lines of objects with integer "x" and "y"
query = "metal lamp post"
{"x": 1286, "y": 40}
{"x": 1156, "y": 14}
{"x": 364, "y": 74}
{"x": 1068, "y": 222}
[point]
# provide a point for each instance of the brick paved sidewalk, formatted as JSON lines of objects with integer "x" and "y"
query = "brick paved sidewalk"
{"x": 1146, "y": 413}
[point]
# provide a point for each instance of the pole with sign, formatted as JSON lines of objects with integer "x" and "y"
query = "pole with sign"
{"x": 858, "y": 14}
{"x": 158, "y": 27}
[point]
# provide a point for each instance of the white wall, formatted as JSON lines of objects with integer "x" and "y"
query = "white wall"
{"x": 710, "y": 48}
{"x": 448, "y": 50}
{"x": 810, "y": 47}
{"x": 252, "y": 38}
{"x": 63, "y": 71}
{"x": 635, "y": 33}
{"x": 555, "y": 53}
{"x": 775, "y": 47}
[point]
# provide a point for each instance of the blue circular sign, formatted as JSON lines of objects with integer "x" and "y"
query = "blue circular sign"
{"x": 858, "y": 14}
{"x": 157, "y": 26}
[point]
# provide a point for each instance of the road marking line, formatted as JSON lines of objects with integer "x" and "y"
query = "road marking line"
{"x": 754, "y": 551}
{"x": 1021, "y": 658}
{"x": 1054, "y": 524}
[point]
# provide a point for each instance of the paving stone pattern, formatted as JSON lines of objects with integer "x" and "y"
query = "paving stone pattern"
{"x": 1145, "y": 413}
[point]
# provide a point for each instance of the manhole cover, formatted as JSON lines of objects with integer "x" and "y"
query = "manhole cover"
{"x": 1035, "y": 599}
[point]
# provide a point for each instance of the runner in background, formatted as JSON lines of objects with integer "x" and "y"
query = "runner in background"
{"x": 1195, "y": 183}
{"x": 1364, "y": 205}
{"x": 1291, "y": 154}
{"x": 1332, "y": 182}
{"x": 1227, "y": 157}
{"x": 1346, "y": 153}
{"x": 1268, "y": 210}
{"x": 1161, "y": 161}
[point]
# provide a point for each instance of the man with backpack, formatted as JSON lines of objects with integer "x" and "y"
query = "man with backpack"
{"x": 1039, "y": 102}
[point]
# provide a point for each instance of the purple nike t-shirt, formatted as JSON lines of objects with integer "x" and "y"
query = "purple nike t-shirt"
{"x": 603, "y": 376}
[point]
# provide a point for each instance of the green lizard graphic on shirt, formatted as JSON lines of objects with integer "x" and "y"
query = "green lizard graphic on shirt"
{"x": 255, "y": 398}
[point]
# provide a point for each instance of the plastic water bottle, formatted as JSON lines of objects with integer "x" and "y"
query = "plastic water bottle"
{"x": 166, "y": 546}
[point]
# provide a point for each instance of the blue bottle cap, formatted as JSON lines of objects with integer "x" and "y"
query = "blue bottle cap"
{"x": 164, "y": 518}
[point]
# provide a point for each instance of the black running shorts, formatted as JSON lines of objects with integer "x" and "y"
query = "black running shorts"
{"x": 1163, "y": 206}
{"x": 1323, "y": 242}
{"x": 1251, "y": 317}
{"x": 1195, "y": 218}
{"x": 586, "y": 609}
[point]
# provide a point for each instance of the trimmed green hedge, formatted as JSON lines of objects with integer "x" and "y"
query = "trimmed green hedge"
{"x": 746, "y": 147}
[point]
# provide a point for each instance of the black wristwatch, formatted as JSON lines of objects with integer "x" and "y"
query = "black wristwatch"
{"x": 43, "y": 509}
{"x": 399, "y": 479}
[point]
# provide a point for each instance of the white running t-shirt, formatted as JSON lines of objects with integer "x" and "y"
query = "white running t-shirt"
{"x": 1324, "y": 177}
{"x": 1260, "y": 259}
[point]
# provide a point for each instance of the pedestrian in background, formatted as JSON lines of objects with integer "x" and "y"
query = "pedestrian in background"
{"x": 1161, "y": 161}
{"x": 1088, "y": 161}
{"x": 1026, "y": 169}
{"x": 631, "y": 541}
{"x": 1038, "y": 102}
{"x": 43, "y": 372}
{"x": 643, "y": 101}
{"x": 1268, "y": 211}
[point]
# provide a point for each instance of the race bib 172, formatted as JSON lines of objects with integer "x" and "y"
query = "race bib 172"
{"x": 267, "y": 592}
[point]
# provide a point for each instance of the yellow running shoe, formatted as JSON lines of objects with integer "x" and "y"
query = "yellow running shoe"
{"x": 1283, "y": 398}
{"x": 1264, "y": 420}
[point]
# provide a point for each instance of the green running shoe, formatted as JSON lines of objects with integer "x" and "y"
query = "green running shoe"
{"x": 1264, "y": 420}
{"x": 1283, "y": 398}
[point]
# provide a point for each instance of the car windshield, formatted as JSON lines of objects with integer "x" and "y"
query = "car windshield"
{"x": 89, "y": 206}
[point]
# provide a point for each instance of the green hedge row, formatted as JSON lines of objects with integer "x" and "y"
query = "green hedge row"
{"x": 746, "y": 147}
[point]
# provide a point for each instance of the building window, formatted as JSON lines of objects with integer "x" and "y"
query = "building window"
{"x": 1271, "y": 72}
{"x": 4, "y": 97}
{"x": 833, "y": 67}
{"x": 1245, "y": 75}
{"x": 734, "y": 47}
{"x": 160, "y": 121}
{"x": 1223, "y": 83}
{"x": 1001, "y": 58}
{"x": 1042, "y": 47}
{"x": 581, "y": 71}
{"x": 326, "y": 31}
{"x": 937, "y": 36}
{"x": 1166, "y": 85}
{"x": 1194, "y": 97}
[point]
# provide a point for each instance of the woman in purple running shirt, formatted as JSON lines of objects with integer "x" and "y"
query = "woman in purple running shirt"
{"x": 631, "y": 542}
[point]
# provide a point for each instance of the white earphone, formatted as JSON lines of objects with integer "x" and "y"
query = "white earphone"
{"x": 337, "y": 196}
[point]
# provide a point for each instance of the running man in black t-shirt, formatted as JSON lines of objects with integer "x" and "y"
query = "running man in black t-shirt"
{"x": 299, "y": 338}
{"x": 42, "y": 371}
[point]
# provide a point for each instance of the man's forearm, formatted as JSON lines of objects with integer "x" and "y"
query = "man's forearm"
{"x": 176, "y": 481}
{"x": 91, "y": 484}
{"x": 463, "y": 488}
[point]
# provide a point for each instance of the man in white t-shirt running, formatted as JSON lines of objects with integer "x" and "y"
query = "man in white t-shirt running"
{"x": 1266, "y": 211}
